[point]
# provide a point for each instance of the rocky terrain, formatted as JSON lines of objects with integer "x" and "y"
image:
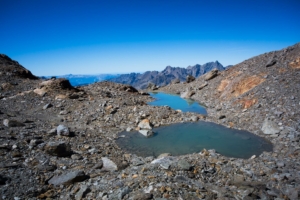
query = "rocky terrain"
{"x": 165, "y": 77}
{"x": 58, "y": 142}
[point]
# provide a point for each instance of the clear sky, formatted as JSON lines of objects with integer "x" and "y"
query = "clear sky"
{"x": 56, "y": 37}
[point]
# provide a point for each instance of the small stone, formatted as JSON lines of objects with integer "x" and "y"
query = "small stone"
{"x": 49, "y": 105}
{"x": 109, "y": 164}
{"x": 63, "y": 130}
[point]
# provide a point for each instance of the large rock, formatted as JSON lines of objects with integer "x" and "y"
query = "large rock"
{"x": 271, "y": 63}
{"x": 175, "y": 81}
{"x": 68, "y": 178}
{"x": 145, "y": 124}
{"x": 189, "y": 78}
{"x": 212, "y": 74}
{"x": 269, "y": 127}
{"x": 164, "y": 162}
{"x": 60, "y": 149}
{"x": 187, "y": 94}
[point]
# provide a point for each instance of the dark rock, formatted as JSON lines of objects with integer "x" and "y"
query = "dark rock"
{"x": 68, "y": 178}
{"x": 271, "y": 63}
{"x": 60, "y": 149}
{"x": 49, "y": 105}
{"x": 189, "y": 78}
{"x": 12, "y": 123}
{"x": 222, "y": 117}
{"x": 3, "y": 180}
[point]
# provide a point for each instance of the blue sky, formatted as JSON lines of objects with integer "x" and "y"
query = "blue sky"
{"x": 51, "y": 37}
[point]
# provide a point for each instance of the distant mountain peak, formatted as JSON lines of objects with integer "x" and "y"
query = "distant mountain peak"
{"x": 141, "y": 81}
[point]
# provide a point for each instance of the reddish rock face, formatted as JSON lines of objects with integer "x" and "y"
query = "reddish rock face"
{"x": 295, "y": 64}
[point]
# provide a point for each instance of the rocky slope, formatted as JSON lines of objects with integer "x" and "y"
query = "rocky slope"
{"x": 58, "y": 142}
{"x": 141, "y": 81}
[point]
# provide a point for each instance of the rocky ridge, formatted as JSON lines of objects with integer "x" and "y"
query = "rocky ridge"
{"x": 60, "y": 143}
{"x": 165, "y": 77}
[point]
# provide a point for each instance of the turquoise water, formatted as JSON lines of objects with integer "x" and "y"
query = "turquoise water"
{"x": 176, "y": 102}
{"x": 187, "y": 138}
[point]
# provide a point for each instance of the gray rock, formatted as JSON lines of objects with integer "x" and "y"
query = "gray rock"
{"x": 84, "y": 189}
{"x": 269, "y": 127}
{"x": 175, "y": 81}
{"x": 145, "y": 132}
{"x": 137, "y": 161}
{"x": 194, "y": 118}
{"x": 271, "y": 63}
{"x": 145, "y": 124}
{"x": 109, "y": 164}
{"x": 60, "y": 149}
{"x": 122, "y": 192}
{"x": 68, "y": 178}
{"x": 62, "y": 130}
{"x": 187, "y": 94}
{"x": 49, "y": 105}
{"x": 12, "y": 123}
{"x": 142, "y": 196}
{"x": 164, "y": 162}
{"x": 184, "y": 165}
{"x": 202, "y": 86}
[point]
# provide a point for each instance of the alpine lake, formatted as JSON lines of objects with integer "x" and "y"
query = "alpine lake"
{"x": 191, "y": 137}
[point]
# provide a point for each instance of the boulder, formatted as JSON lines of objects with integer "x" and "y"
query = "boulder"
{"x": 269, "y": 127}
{"x": 202, "y": 86}
{"x": 212, "y": 74}
{"x": 187, "y": 94}
{"x": 175, "y": 81}
{"x": 189, "y": 78}
{"x": 271, "y": 62}
{"x": 68, "y": 178}
{"x": 152, "y": 86}
{"x": 145, "y": 124}
{"x": 60, "y": 149}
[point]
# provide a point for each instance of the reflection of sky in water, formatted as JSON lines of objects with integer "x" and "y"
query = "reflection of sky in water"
{"x": 176, "y": 102}
{"x": 186, "y": 138}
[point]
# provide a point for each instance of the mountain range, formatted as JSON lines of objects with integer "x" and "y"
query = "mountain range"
{"x": 141, "y": 80}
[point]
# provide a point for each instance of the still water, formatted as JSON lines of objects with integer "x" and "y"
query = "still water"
{"x": 176, "y": 102}
{"x": 187, "y": 138}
